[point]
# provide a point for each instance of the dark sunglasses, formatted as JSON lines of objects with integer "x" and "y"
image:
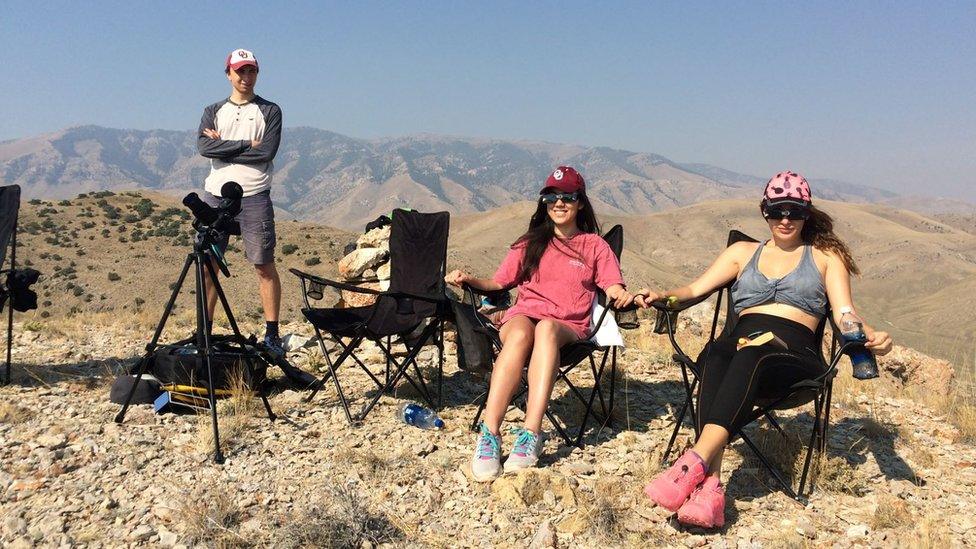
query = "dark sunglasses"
{"x": 793, "y": 214}
{"x": 551, "y": 198}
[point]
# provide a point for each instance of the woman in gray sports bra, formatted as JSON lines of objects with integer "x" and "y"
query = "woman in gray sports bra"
{"x": 779, "y": 287}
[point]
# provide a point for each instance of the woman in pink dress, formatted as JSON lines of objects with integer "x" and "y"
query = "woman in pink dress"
{"x": 557, "y": 265}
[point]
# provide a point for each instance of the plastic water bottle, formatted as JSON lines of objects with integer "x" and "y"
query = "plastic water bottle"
{"x": 414, "y": 414}
{"x": 862, "y": 359}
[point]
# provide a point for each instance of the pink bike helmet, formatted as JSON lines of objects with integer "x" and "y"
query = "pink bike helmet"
{"x": 787, "y": 188}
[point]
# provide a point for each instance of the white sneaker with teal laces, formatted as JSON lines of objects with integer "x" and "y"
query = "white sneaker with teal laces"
{"x": 525, "y": 453}
{"x": 486, "y": 462}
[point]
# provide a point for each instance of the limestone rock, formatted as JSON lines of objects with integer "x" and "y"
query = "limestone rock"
{"x": 353, "y": 265}
{"x": 356, "y": 299}
{"x": 376, "y": 238}
{"x": 529, "y": 487}
{"x": 545, "y": 537}
{"x": 383, "y": 271}
{"x": 910, "y": 367}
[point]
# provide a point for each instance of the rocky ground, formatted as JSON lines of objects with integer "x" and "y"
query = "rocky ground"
{"x": 898, "y": 473}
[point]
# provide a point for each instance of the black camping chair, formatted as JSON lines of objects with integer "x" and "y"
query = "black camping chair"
{"x": 570, "y": 356}
{"x": 411, "y": 312}
{"x": 816, "y": 390}
{"x": 14, "y": 283}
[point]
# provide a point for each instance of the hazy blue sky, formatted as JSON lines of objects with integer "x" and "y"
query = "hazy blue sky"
{"x": 880, "y": 93}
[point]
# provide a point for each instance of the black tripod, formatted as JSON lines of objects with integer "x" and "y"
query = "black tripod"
{"x": 200, "y": 260}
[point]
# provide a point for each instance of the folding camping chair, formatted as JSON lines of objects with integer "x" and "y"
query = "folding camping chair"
{"x": 415, "y": 302}
{"x": 570, "y": 356}
{"x": 14, "y": 283}
{"x": 816, "y": 390}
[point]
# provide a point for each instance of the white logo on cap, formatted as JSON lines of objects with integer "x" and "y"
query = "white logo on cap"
{"x": 557, "y": 175}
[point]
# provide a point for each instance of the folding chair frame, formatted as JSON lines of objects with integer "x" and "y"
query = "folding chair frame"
{"x": 10, "y": 309}
{"x": 607, "y": 354}
{"x": 562, "y": 374}
{"x": 433, "y": 332}
{"x": 821, "y": 386}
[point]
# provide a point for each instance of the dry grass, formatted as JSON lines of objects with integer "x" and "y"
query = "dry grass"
{"x": 341, "y": 518}
{"x": 11, "y": 413}
{"x": 925, "y": 533}
{"x": 369, "y": 464}
{"x": 233, "y": 415}
{"x": 963, "y": 417}
{"x": 607, "y": 509}
{"x": 891, "y": 512}
{"x": 787, "y": 538}
{"x": 210, "y": 516}
{"x": 785, "y": 453}
{"x": 835, "y": 475}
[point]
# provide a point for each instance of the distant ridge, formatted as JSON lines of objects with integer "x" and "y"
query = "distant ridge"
{"x": 344, "y": 181}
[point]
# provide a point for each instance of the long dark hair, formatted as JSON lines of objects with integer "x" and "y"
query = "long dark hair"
{"x": 542, "y": 231}
{"x": 818, "y": 231}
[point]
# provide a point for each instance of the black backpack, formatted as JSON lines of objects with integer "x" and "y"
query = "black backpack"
{"x": 474, "y": 346}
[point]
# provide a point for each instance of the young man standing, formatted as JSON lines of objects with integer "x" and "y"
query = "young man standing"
{"x": 240, "y": 136}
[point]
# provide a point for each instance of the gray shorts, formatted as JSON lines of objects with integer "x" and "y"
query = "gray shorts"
{"x": 257, "y": 226}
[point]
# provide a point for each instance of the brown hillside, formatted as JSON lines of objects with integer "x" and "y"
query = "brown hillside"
{"x": 120, "y": 253}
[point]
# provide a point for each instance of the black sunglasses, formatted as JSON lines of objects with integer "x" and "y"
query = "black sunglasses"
{"x": 551, "y": 198}
{"x": 793, "y": 214}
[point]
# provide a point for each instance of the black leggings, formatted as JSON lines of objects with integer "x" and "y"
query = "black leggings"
{"x": 732, "y": 381}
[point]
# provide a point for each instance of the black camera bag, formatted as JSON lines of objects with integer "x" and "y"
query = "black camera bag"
{"x": 181, "y": 364}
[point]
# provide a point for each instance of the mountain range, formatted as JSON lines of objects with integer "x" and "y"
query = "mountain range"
{"x": 344, "y": 182}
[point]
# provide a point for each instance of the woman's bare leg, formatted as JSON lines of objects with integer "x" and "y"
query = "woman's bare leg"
{"x": 550, "y": 335}
{"x": 711, "y": 446}
{"x": 517, "y": 336}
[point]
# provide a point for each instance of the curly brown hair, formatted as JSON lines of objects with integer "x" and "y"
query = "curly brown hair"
{"x": 818, "y": 231}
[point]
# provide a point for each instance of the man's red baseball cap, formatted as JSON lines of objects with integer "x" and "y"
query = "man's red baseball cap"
{"x": 239, "y": 58}
{"x": 564, "y": 179}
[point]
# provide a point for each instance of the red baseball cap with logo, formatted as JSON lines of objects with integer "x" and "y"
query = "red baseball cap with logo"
{"x": 564, "y": 179}
{"x": 239, "y": 58}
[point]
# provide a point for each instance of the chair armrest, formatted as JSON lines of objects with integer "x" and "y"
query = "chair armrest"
{"x": 663, "y": 306}
{"x": 491, "y": 294}
{"x": 333, "y": 283}
{"x": 834, "y": 360}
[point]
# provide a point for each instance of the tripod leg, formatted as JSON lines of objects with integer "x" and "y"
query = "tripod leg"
{"x": 203, "y": 342}
{"x": 169, "y": 304}
{"x": 151, "y": 346}
{"x": 224, "y": 304}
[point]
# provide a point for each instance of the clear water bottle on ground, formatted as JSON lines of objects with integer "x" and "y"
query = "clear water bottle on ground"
{"x": 862, "y": 359}
{"x": 414, "y": 414}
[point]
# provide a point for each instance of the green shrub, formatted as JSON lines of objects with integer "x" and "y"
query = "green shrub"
{"x": 314, "y": 260}
{"x": 144, "y": 208}
{"x": 289, "y": 249}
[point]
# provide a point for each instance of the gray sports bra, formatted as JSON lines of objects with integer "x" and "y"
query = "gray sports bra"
{"x": 802, "y": 287}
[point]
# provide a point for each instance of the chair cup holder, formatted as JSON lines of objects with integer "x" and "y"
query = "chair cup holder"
{"x": 627, "y": 320}
{"x": 315, "y": 291}
{"x": 661, "y": 321}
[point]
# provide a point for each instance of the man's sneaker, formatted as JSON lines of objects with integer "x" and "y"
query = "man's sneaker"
{"x": 525, "y": 453}
{"x": 706, "y": 506}
{"x": 486, "y": 463}
{"x": 671, "y": 488}
{"x": 274, "y": 345}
